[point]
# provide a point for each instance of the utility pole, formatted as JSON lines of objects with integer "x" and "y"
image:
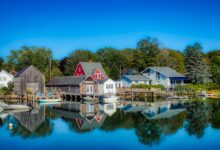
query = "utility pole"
{"x": 50, "y": 69}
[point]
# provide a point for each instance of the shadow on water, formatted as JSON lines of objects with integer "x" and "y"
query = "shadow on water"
{"x": 39, "y": 122}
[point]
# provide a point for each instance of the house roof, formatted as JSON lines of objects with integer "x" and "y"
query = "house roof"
{"x": 90, "y": 68}
{"x": 137, "y": 77}
{"x": 67, "y": 80}
{"x": 167, "y": 71}
{"x": 10, "y": 75}
{"x": 19, "y": 73}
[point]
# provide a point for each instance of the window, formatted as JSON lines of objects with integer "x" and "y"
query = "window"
{"x": 98, "y": 76}
{"x": 109, "y": 107}
{"x": 158, "y": 76}
{"x": 109, "y": 86}
{"x": 89, "y": 89}
{"x": 178, "y": 82}
{"x": 35, "y": 78}
{"x": 89, "y": 108}
{"x": 148, "y": 72}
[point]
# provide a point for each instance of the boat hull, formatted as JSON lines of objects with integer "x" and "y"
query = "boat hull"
{"x": 49, "y": 100}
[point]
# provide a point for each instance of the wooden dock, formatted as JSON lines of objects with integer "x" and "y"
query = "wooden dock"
{"x": 140, "y": 94}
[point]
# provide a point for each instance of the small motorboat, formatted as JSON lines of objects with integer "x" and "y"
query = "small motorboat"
{"x": 14, "y": 107}
{"x": 49, "y": 100}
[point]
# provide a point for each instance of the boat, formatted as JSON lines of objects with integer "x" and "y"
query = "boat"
{"x": 14, "y": 107}
{"x": 49, "y": 100}
{"x": 50, "y": 103}
{"x": 111, "y": 99}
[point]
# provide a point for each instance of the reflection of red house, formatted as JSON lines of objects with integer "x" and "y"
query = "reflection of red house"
{"x": 93, "y": 69}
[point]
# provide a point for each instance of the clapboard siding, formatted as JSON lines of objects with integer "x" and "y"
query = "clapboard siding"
{"x": 29, "y": 78}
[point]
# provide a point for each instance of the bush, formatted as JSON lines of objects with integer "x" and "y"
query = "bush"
{"x": 197, "y": 87}
{"x": 7, "y": 90}
{"x": 149, "y": 87}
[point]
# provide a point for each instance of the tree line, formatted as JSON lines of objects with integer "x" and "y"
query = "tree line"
{"x": 199, "y": 67}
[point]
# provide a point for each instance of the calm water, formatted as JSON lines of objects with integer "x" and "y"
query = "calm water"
{"x": 62, "y": 128}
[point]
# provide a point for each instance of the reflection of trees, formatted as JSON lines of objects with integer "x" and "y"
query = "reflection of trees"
{"x": 120, "y": 120}
{"x": 149, "y": 131}
{"x": 215, "y": 113}
{"x": 1, "y": 122}
{"x": 171, "y": 125}
{"x": 197, "y": 119}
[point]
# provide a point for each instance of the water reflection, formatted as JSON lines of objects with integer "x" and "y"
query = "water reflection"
{"x": 80, "y": 117}
{"x": 86, "y": 117}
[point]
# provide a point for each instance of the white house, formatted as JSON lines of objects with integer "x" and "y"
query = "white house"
{"x": 129, "y": 80}
{"x": 164, "y": 75}
{"x": 108, "y": 87}
{"x": 5, "y": 78}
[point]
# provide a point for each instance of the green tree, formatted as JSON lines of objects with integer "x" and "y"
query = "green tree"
{"x": 54, "y": 72}
{"x": 1, "y": 63}
{"x": 147, "y": 53}
{"x": 197, "y": 70}
{"x": 214, "y": 61}
{"x": 75, "y": 57}
{"x": 113, "y": 61}
{"x": 173, "y": 59}
{"x": 37, "y": 56}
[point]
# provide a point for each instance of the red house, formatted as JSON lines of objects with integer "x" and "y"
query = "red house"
{"x": 93, "y": 69}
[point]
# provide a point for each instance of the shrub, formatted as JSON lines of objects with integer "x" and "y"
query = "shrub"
{"x": 149, "y": 87}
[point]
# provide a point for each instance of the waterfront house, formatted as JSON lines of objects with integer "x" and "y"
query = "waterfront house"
{"x": 164, "y": 75}
{"x": 5, "y": 78}
{"x": 108, "y": 88}
{"x": 129, "y": 80}
{"x": 77, "y": 86}
{"x": 29, "y": 78}
{"x": 89, "y": 79}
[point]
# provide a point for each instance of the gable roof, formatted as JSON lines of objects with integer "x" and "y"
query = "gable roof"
{"x": 67, "y": 80}
{"x": 19, "y": 73}
{"x": 90, "y": 68}
{"x": 136, "y": 77}
{"x": 10, "y": 75}
{"x": 167, "y": 71}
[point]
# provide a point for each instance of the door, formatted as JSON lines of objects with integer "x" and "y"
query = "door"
{"x": 89, "y": 89}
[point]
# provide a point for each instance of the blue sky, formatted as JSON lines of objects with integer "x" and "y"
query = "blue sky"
{"x": 65, "y": 25}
